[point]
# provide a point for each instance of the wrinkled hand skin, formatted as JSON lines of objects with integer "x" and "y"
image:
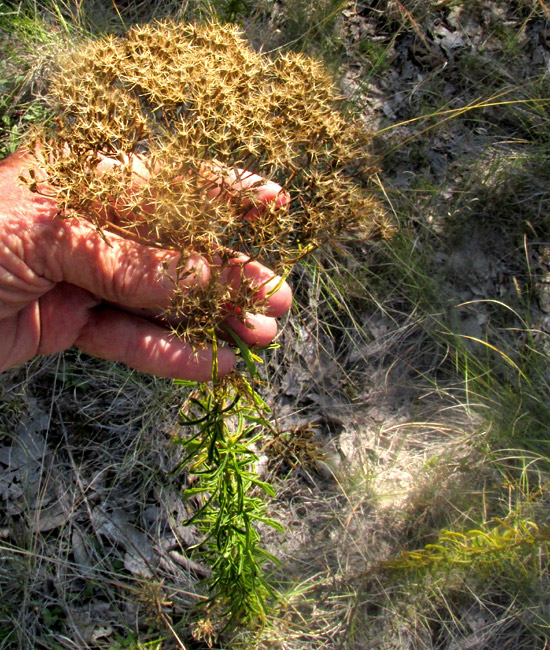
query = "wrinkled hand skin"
{"x": 62, "y": 284}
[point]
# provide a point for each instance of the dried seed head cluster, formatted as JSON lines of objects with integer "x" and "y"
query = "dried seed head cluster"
{"x": 196, "y": 107}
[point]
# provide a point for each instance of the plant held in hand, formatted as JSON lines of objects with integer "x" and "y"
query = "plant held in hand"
{"x": 165, "y": 135}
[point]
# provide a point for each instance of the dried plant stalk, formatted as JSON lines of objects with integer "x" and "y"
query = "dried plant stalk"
{"x": 197, "y": 106}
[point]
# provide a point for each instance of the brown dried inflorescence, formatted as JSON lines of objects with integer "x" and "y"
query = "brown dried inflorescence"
{"x": 196, "y": 106}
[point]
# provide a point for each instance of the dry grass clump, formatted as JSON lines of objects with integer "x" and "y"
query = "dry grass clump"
{"x": 183, "y": 111}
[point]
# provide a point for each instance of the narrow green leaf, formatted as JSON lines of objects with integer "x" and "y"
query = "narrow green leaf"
{"x": 248, "y": 357}
{"x": 266, "y": 487}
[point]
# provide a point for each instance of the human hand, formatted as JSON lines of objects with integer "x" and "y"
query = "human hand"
{"x": 63, "y": 283}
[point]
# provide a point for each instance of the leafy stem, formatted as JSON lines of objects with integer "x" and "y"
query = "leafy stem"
{"x": 227, "y": 418}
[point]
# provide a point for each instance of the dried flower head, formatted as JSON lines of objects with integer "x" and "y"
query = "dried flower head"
{"x": 196, "y": 106}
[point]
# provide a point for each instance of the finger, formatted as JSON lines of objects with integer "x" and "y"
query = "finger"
{"x": 260, "y": 191}
{"x": 63, "y": 313}
{"x": 117, "y": 270}
{"x": 257, "y": 329}
{"x": 45, "y": 326}
{"x": 226, "y": 183}
{"x": 19, "y": 337}
{"x": 116, "y": 336}
{"x": 271, "y": 290}
{"x": 129, "y": 273}
{"x": 219, "y": 182}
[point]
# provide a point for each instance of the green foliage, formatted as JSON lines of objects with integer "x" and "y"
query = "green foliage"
{"x": 311, "y": 25}
{"x": 503, "y": 546}
{"x": 130, "y": 642}
{"x": 232, "y": 10}
{"x": 25, "y": 39}
{"x": 15, "y": 121}
{"x": 229, "y": 419}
